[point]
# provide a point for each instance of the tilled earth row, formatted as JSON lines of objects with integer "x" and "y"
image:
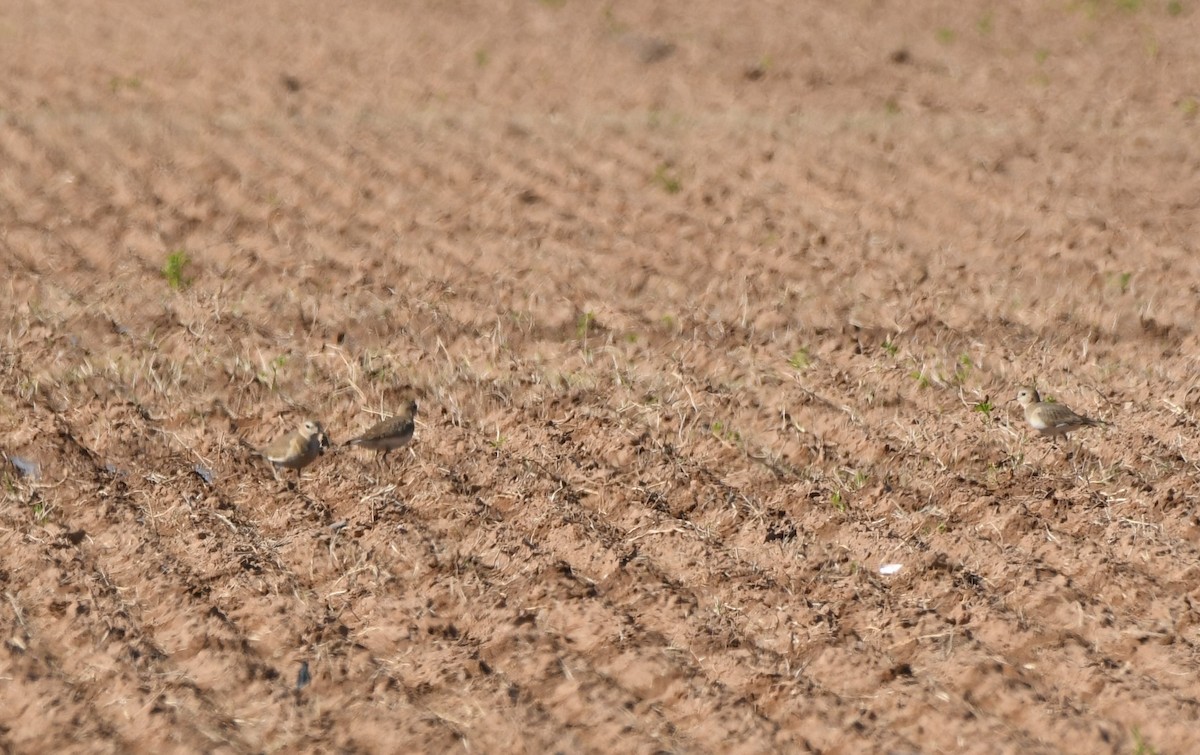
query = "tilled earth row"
{"x": 711, "y": 315}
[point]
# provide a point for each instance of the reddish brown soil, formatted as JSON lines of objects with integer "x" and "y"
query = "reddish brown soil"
{"x": 704, "y": 301}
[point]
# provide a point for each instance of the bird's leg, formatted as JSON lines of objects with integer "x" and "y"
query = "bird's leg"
{"x": 1046, "y": 453}
{"x": 1074, "y": 466}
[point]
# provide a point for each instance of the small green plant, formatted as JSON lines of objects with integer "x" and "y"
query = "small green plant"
{"x": 271, "y": 380}
{"x": 984, "y": 407}
{"x": 1123, "y": 281}
{"x": 584, "y": 324}
{"x": 1129, "y": 6}
{"x": 1140, "y": 745}
{"x": 1189, "y": 106}
{"x": 40, "y": 512}
{"x": 1041, "y": 55}
{"x": 1174, "y": 8}
{"x": 945, "y": 35}
{"x": 668, "y": 321}
{"x": 723, "y": 432}
{"x": 891, "y": 107}
{"x": 890, "y": 347}
{"x": 921, "y": 378}
{"x": 962, "y": 370}
{"x": 800, "y": 359}
{"x": 481, "y": 57}
{"x": 984, "y": 25}
{"x": 173, "y": 270}
{"x": 666, "y": 178}
{"x": 498, "y": 442}
{"x": 837, "y": 501}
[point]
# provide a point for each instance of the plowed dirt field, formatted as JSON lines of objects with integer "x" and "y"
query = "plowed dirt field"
{"x": 713, "y": 310}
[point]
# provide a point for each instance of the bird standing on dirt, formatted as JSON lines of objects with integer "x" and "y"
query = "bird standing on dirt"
{"x": 389, "y": 434}
{"x": 1051, "y": 419}
{"x": 299, "y": 448}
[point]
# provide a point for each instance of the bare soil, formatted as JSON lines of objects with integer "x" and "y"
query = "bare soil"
{"x": 714, "y": 309}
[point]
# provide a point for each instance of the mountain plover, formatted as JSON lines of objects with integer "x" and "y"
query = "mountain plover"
{"x": 389, "y": 434}
{"x": 299, "y": 448}
{"x": 1051, "y": 419}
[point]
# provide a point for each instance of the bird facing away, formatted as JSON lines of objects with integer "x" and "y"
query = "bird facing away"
{"x": 1051, "y": 419}
{"x": 299, "y": 448}
{"x": 389, "y": 434}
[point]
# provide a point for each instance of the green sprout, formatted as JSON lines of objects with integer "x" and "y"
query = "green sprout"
{"x": 800, "y": 359}
{"x": 723, "y": 432}
{"x": 584, "y": 324}
{"x": 963, "y": 369}
{"x": 666, "y": 178}
{"x": 173, "y": 270}
{"x": 1140, "y": 745}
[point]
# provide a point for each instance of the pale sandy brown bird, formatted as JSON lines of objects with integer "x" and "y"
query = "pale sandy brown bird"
{"x": 389, "y": 434}
{"x": 299, "y": 448}
{"x": 1051, "y": 419}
